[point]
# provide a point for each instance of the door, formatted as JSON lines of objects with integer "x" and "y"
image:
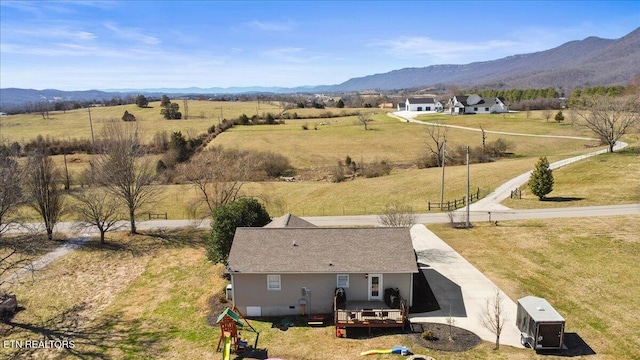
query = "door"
{"x": 550, "y": 335}
{"x": 375, "y": 287}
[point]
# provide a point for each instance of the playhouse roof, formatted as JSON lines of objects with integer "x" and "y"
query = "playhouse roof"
{"x": 230, "y": 313}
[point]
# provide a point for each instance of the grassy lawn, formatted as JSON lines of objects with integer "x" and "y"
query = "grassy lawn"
{"x": 94, "y": 296}
{"x": 601, "y": 180}
{"x": 516, "y": 122}
{"x": 589, "y": 276}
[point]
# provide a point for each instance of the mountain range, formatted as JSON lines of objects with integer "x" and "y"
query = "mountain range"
{"x": 581, "y": 63}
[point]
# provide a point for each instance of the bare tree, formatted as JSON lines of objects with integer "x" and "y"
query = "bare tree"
{"x": 435, "y": 143}
{"x": 123, "y": 170}
{"x": 364, "y": 119}
{"x": 10, "y": 191}
{"x": 43, "y": 185}
{"x": 218, "y": 176}
{"x": 398, "y": 215}
{"x": 493, "y": 315}
{"x": 96, "y": 208}
{"x": 610, "y": 117}
{"x": 546, "y": 114}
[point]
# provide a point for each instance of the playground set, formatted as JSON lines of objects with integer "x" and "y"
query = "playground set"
{"x": 231, "y": 322}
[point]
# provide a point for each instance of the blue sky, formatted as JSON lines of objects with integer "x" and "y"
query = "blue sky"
{"x": 81, "y": 45}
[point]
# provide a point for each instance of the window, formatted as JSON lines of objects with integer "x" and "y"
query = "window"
{"x": 343, "y": 281}
{"x": 475, "y": 109}
{"x": 273, "y": 282}
{"x": 486, "y": 109}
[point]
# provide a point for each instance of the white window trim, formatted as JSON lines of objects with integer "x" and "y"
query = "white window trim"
{"x": 269, "y": 288}
{"x": 338, "y": 281}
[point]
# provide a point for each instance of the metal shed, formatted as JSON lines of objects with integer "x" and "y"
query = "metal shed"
{"x": 541, "y": 326}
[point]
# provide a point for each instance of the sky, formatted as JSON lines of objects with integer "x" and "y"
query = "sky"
{"x": 105, "y": 45}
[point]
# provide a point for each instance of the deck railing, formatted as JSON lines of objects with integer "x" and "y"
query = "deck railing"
{"x": 371, "y": 317}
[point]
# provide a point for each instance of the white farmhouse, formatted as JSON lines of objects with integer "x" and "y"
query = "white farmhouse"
{"x": 475, "y": 104}
{"x": 423, "y": 104}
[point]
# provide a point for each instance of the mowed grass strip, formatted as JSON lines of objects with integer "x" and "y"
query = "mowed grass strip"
{"x": 589, "y": 275}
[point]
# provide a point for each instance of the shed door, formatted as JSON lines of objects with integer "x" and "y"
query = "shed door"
{"x": 375, "y": 287}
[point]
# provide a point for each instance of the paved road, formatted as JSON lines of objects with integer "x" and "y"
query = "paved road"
{"x": 483, "y": 215}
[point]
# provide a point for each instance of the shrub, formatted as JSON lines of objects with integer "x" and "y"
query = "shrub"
{"x": 338, "y": 174}
{"x": 429, "y": 335}
{"x": 376, "y": 169}
{"x": 273, "y": 164}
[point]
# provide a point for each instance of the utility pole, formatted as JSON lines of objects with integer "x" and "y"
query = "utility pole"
{"x": 93, "y": 142}
{"x": 444, "y": 147}
{"x": 468, "y": 198}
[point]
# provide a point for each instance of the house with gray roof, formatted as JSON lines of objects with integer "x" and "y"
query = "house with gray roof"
{"x": 475, "y": 104}
{"x": 284, "y": 270}
{"x": 423, "y": 104}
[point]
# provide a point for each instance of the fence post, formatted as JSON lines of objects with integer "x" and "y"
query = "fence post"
{"x": 429, "y": 205}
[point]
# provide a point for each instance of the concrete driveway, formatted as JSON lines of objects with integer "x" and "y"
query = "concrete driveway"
{"x": 460, "y": 289}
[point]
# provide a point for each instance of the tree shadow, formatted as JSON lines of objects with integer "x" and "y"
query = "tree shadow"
{"x": 91, "y": 340}
{"x": 150, "y": 241}
{"x": 562, "y": 199}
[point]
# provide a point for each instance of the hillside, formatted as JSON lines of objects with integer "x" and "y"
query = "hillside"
{"x": 589, "y": 62}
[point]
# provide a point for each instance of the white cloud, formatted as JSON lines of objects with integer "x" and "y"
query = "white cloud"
{"x": 437, "y": 50}
{"x": 132, "y": 34}
{"x": 271, "y": 25}
{"x": 288, "y": 54}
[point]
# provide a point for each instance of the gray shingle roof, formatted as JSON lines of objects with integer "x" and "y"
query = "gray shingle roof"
{"x": 422, "y": 100}
{"x": 289, "y": 221}
{"x": 322, "y": 250}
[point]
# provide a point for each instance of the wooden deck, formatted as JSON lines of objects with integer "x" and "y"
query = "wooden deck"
{"x": 369, "y": 314}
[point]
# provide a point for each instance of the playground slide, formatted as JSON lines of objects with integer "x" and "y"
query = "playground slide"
{"x": 400, "y": 350}
{"x": 226, "y": 348}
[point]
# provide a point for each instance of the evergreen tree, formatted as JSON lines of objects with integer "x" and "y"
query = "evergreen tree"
{"x": 246, "y": 212}
{"x": 541, "y": 181}
{"x": 142, "y": 101}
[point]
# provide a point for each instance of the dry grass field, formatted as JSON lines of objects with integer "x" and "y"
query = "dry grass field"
{"x": 150, "y": 296}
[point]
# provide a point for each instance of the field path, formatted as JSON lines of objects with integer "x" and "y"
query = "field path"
{"x": 47, "y": 259}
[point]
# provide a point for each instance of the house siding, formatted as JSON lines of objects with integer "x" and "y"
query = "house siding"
{"x": 251, "y": 290}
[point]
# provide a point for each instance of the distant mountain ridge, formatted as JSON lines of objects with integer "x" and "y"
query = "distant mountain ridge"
{"x": 589, "y": 62}
{"x": 580, "y": 63}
